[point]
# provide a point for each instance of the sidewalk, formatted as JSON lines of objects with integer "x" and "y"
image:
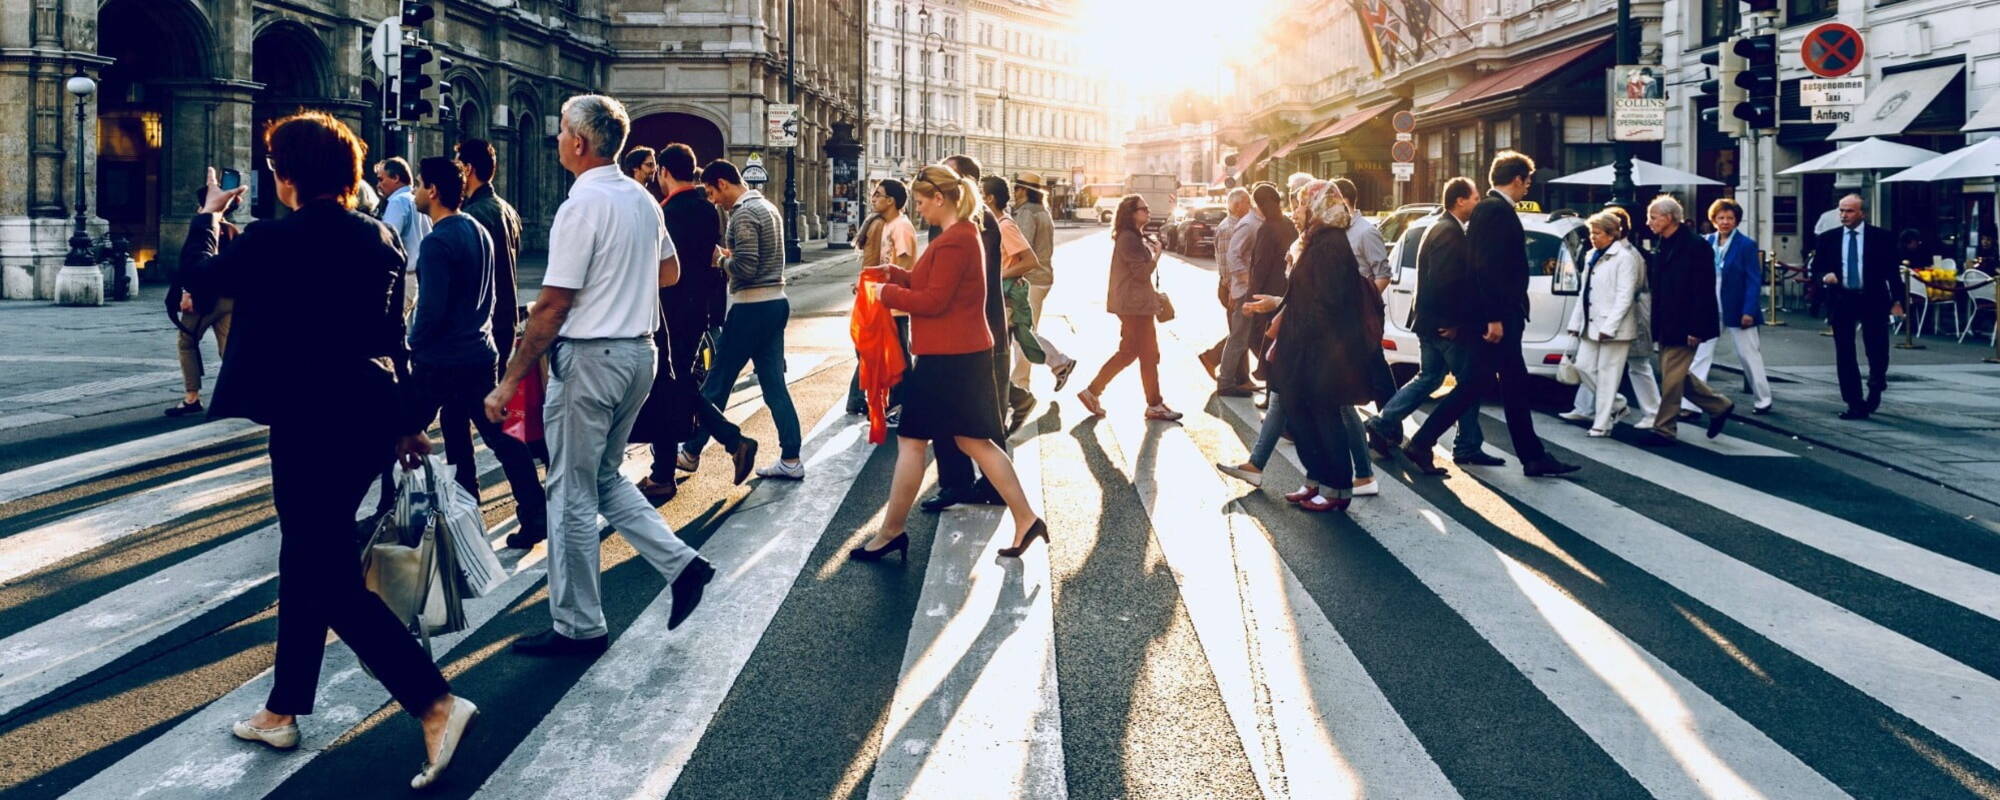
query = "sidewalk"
{"x": 61, "y": 363}
{"x": 1939, "y": 420}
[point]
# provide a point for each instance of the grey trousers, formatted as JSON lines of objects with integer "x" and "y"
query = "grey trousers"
{"x": 596, "y": 387}
{"x": 1235, "y": 351}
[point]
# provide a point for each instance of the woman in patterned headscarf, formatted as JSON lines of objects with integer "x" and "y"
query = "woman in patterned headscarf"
{"x": 1329, "y": 331}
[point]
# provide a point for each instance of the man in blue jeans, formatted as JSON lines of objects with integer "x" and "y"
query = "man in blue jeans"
{"x": 753, "y": 331}
{"x": 1441, "y": 259}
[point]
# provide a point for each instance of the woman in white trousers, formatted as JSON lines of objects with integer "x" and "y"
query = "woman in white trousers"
{"x": 1605, "y": 318}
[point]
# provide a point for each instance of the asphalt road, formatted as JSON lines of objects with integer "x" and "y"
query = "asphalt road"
{"x": 1748, "y": 617}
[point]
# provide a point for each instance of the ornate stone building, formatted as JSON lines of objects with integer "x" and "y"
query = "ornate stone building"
{"x": 702, "y": 72}
{"x": 1035, "y": 104}
{"x": 186, "y": 84}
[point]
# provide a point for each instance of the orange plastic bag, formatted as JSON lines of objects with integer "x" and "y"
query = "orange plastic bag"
{"x": 874, "y": 332}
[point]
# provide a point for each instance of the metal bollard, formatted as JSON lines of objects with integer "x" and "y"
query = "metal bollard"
{"x": 1771, "y": 268}
{"x": 1909, "y": 327}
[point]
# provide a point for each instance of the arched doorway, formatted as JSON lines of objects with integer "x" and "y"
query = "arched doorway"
{"x": 659, "y": 130}
{"x": 520, "y": 179}
{"x": 136, "y": 168}
{"x": 296, "y": 70}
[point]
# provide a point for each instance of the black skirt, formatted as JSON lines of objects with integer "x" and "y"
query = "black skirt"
{"x": 945, "y": 396}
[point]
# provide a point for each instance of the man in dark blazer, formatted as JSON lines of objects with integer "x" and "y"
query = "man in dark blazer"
{"x": 1856, "y": 265}
{"x": 1441, "y": 267}
{"x": 1685, "y": 314}
{"x": 1495, "y": 295}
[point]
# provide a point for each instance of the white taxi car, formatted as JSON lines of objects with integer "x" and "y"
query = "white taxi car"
{"x": 1556, "y": 244}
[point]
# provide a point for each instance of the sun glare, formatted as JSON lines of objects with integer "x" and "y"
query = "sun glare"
{"x": 1157, "y": 47}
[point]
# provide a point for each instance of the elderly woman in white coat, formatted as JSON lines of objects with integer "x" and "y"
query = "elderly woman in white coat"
{"x": 1605, "y": 321}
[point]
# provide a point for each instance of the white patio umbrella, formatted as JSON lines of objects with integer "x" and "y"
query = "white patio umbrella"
{"x": 1644, "y": 173}
{"x": 1868, "y": 154}
{"x": 1979, "y": 160}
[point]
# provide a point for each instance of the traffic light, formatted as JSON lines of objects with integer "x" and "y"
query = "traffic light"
{"x": 415, "y": 13}
{"x": 413, "y": 82}
{"x": 1758, "y": 80}
{"x": 1722, "y": 86}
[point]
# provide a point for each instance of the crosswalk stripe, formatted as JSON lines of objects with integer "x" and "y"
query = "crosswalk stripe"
{"x": 1667, "y": 733}
{"x": 975, "y": 712}
{"x": 629, "y": 724}
{"x": 1944, "y": 695}
{"x": 29, "y": 481}
{"x": 1266, "y": 639}
{"x": 51, "y": 654}
{"x": 1942, "y": 576}
{"x": 38, "y": 547}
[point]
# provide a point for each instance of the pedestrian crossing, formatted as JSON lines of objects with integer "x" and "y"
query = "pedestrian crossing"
{"x": 1697, "y": 623}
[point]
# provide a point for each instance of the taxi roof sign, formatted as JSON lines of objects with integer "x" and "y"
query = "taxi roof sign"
{"x": 1528, "y": 207}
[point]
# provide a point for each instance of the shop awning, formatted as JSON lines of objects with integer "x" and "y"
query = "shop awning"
{"x": 1515, "y": 78}
{"x": 1310, "y": 135}
{"x": 1248, "y": 157}
{"x": 1893, "y": 105}
{"x": 1987, "y": 119}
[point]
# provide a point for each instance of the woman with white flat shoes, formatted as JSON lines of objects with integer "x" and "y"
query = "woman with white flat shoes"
{"x": 318, "y": 356}
{"x": 1605, "y": 319}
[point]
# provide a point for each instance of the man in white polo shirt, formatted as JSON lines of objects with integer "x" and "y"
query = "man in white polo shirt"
{"x": 609, "y": 254}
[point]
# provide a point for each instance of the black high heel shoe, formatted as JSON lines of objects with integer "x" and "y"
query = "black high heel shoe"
{"x": 900, "y": 544}
{"x": 1035, "y": 531}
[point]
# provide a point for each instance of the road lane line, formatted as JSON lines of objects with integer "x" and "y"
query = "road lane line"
{"x": 976, "y": 713}
{"x": 28, "y": 481}
{"x": 87, "y": 530}
{"x": 1951, "y": 699}
{"x": 660, "y": 690}
{"x": 1940, "y": 575}
{"x": 1666, "y": 732}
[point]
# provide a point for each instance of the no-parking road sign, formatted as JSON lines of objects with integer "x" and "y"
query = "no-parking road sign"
{"x": 1832, "y": 50}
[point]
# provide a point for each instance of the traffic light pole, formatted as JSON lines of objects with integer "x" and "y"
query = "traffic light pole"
{"x": 1622, "y": 189}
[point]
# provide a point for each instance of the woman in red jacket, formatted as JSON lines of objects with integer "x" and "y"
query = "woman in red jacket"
{"x": 950, "y": 390}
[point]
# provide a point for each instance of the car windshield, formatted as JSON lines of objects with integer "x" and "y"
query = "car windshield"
{"x": 1210, "y": 216}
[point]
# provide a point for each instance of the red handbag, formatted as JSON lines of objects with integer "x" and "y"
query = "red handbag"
{"x": 524, "y": 410}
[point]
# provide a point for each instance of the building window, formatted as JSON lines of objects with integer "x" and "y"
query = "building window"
{"x": 1503, "y": 135}
{"x": 951, "y": 28}
{"x": 950, "y": 67}
{"x": 900, "y": 60}
{"x": 1718, "y": 20}
{"x": 1586, "y": 143}
{"x": 1468, "y": 150}
{"x": 1802, "y": 11}
{"x": 1434, "y": 162}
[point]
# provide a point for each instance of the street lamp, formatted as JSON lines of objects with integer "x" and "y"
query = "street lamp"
{"x": 1621, "y": 166}
{"x": 1002, "y": 110}
{"x": 793, "y": 254}
{"x": 925, "y": 151}
{"x": 79, "y": 283}
{"x": 902, "y": 83}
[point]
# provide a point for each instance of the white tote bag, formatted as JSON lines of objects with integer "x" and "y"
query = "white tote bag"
{"x": 464, "y": 527}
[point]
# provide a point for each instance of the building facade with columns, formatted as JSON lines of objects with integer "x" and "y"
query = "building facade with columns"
{"x": 1158, "y": 144}
{"x": 1035, "y": 105}
{"x": 704, "y": 73}
{"x": 1526, "y": 75}
{"x": 188, "y": 84}
{"x": 916, "y": 98}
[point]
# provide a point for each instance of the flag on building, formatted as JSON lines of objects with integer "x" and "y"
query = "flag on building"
{"x": 1378, "y": 33}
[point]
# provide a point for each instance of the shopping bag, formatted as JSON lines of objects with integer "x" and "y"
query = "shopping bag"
{"x": 523, "y": 418}
{"x": 463, "y": 529}
{"x": 407, "y": 564}
{"x": 1566, "y": 371}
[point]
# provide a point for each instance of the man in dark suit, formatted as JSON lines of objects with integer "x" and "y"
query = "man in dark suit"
{"x": 1685, "y": 314}
{"x": 1441, "y": 266}
{"x": 1495, "y": 291}
{"x": 1856, "y": 265}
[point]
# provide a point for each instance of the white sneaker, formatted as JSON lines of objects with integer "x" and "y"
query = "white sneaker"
{"x": 1369, "y": 489}
{"x": 1573, "y": 416}
{"x": 283, "y": 737}
{"x": 786, "y": 470}
{"x": 1253, "y": 478}
{"x": 686, "y": 462}
{"x": 1596, "y": 433}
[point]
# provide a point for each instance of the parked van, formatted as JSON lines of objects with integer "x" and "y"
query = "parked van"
{"x": 1556, "y": 246}
{"x": 1159, "y": 191}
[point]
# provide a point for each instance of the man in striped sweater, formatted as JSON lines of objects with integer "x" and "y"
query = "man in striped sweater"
{"x": 753, "y": 331}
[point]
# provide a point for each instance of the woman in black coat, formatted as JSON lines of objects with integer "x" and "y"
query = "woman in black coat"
{"x": 333, "y": 403}
{"x": 1329, "y": 334}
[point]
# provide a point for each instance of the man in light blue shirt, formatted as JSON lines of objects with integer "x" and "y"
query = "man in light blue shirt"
{"x": 399, "y": 211}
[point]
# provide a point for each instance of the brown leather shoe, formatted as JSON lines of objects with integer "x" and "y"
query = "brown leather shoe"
{"x": 658, "y": 492}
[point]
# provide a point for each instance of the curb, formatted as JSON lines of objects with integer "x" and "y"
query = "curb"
{"x": 1755, "y": 422}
